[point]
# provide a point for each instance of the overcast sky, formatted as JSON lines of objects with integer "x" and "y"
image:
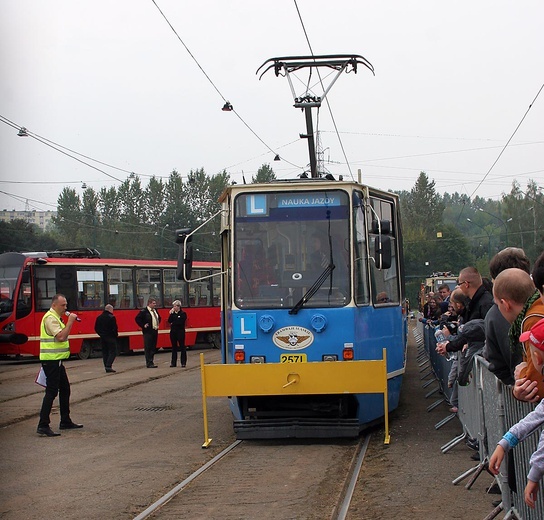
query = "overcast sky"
{"x": 112, "y": 81}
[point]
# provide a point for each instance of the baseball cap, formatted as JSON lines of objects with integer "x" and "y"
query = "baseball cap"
{"x": 535, "y": 335}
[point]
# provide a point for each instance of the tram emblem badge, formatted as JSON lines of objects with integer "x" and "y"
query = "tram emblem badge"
{"x": 293, "y": 338}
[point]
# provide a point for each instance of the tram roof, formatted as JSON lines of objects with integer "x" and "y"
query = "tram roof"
{"x": 319, "y": 183}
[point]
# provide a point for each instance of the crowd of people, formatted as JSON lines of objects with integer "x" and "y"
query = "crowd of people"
{"x": 501, "y": 319}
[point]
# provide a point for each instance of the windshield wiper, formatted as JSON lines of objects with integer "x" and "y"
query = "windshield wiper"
{"x": 313, "y": 289}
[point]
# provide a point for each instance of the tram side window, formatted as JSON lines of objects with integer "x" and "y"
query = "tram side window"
{"x": 7, "y": 288}
{"x": 90, "y": 288}
{"x": 385, "y": 287}
{"x": 120, "y": 288}
{"x": 216, "y": 290}
{"x": 148, "y": 283}
{"x": 24, "y": 300}
{"x": 361, "y": 259}
{"x": 200, "y": 294}
{"x": 46, "y": 287}
{"x": 174, "y": 289}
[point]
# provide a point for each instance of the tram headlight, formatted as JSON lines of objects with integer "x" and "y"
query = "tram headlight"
{"x": 257, "y": 359}
{"x": 330, "y": 357}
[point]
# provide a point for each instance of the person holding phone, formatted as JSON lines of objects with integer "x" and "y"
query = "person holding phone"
{"x": 177, "y": 319}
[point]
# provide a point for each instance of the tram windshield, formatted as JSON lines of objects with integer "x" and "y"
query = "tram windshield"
{"x": 10, "y": 270}
{"x": 284, "y": 242}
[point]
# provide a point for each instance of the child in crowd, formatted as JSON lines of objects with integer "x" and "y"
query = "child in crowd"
{"x": 521, "y": 430}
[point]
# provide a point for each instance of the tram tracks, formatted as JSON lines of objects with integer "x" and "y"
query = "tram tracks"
{"x": 20, "y": 396}
{"x": 269, "y": 479}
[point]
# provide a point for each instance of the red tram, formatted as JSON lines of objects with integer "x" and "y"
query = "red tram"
{"x": 29, "y": 280}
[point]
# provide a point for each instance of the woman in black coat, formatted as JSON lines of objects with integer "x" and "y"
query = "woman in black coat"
{"x": 177, "y": 319}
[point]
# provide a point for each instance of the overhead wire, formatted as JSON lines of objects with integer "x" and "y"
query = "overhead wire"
{"x": 508, "y": 142}
{"x": 217, "y": 88}
{"x": 503, "y": 149}
{"x": 58, "y": 148}
{"x": 336, "y": 129}
{"x": 446, "y": 152}
{"x": 326, "y": 99}
{"x": 26, "y": 199}
{"x": 4, "y": 119}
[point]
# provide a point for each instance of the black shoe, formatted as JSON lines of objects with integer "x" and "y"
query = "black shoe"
{"x": 45, "y": 430}
{"x": 182, "y": 366}
{"x": 110, "y": 370}
{"x": 475, "y": 456}
{"x": 152, "y": 366}
{"x": 172, "y": 365}
{"x": 70, "y": 426}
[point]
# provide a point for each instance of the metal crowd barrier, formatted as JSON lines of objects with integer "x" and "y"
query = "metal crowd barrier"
{"x": 439, "y": 369}
{"x": 487, "y": 409}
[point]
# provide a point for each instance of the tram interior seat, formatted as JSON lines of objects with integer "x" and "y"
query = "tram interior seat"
{"x": 92, "y": 303}
{"x": 125, "y": 303}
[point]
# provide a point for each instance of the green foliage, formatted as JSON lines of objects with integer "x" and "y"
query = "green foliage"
{"x": 430, "y": 244}
{"x": 68, "y": 216}
{"x": 153, "y": 200}
{"x": 136, "y": 221}
{"x": 472, "y": 232}
{"x": 440, "y": 233}
{"x": 423, "y": 207}
{"x": 265, "y": 174}
{"x": 19, "y": 235}
{"x": 525, "y": 208}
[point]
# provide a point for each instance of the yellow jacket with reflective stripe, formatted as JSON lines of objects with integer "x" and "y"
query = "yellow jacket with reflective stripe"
{"x": 51, "y": 350}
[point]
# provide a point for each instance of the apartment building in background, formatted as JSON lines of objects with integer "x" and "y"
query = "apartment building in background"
{"x": 40, "y": 218}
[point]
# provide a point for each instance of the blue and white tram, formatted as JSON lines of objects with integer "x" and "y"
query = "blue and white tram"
{"x": 312, "y": 273}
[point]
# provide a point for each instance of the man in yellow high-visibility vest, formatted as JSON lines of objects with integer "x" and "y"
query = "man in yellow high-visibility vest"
{"x": 54, "y": 348}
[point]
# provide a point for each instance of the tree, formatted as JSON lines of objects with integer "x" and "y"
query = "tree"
{"x": 109, "y": 205}
{"x": 526, "y": 209}
{"x": 176, "y": 214}
{"x": 153, "y": 201}
{"x": 68, "y": 219}
{"x": 265, "y": 174}
{"x": 19, "y": 235}
{"x": 423, "y": 207}
{"x": 202, "y": 194}
{"x": 90, "y": 219}
{"x": 210, "y": 237}
{"x": 132, "y": 201}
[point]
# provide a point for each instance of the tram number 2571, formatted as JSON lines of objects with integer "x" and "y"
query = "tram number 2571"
{"x": 293, "y": 358}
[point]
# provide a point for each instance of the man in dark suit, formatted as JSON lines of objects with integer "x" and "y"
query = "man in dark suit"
{"x": 106, "y": 327}
{"x": 148, "y": 320}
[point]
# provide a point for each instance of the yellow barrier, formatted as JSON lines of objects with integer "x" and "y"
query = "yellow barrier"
{"x": 327, "y": 377}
